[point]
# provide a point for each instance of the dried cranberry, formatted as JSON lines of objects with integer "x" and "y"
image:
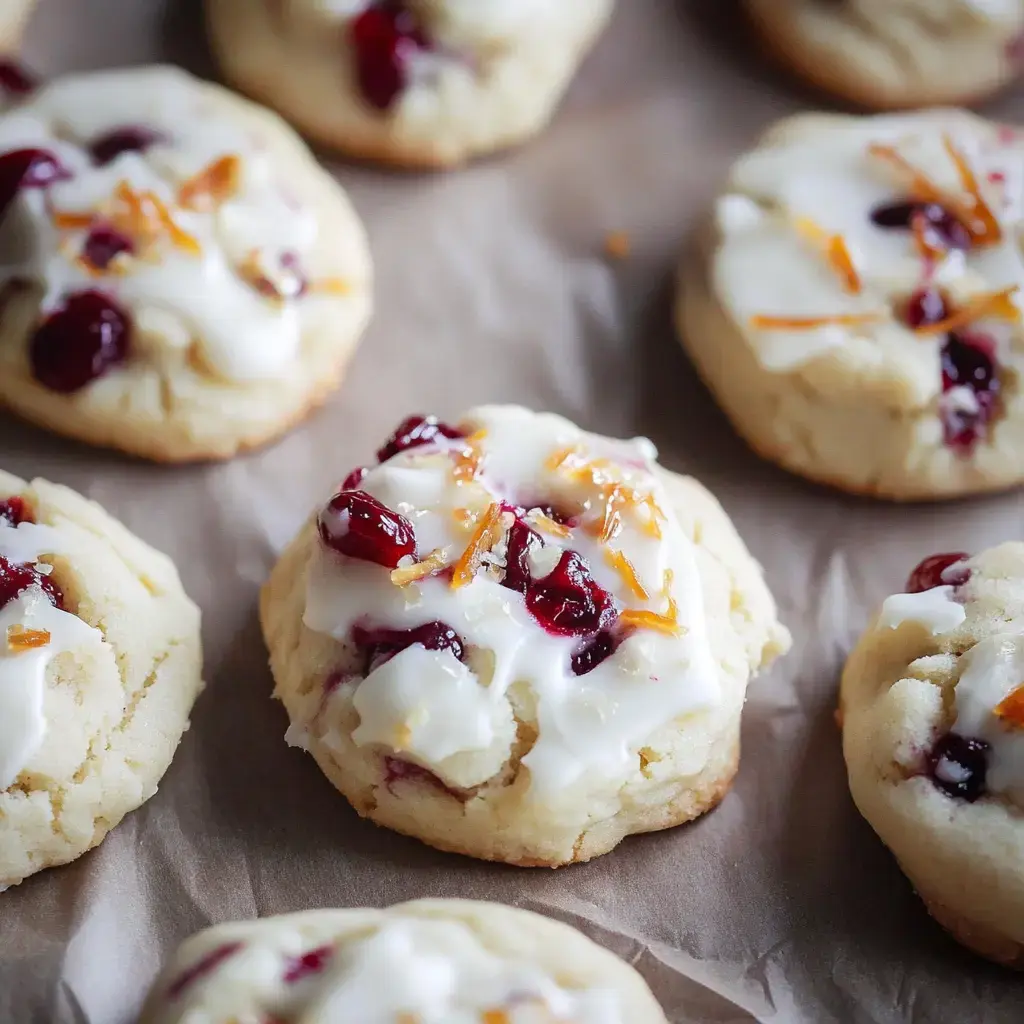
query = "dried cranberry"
{"x": 205, "y": 965}
{"x": 14, "y": 511}
{"x": 15, "y": 578}
{"x": 358, "y": 525}
{"x": 103, "y": 243}
{"x": 931, "y": 572}
{"x": 569, "y": 601}
{"x": 938, "y": 221}
{"x": 127, "y": 139}
{"x": 309, "y": 963}
{"x": 27, "y": 168}
{"x": 398, "y": 770}
{"x": 79, "y": 342}
{"x": 380, "y": 645}
{"x": 14, "y": 80}
{"x": 383, "y": 38}
{"x": 413, "y": 432}
{"x": 593, "y": 652}
{"x": 968, "y": 361}
{"x": 517, "y": 566}
{"x": 354, "y": 479}
{"x": 925, "y": 307}
{"x": 968, "y": 758}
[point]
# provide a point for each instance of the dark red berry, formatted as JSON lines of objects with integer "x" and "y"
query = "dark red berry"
{"x": 397, "y": 770}
{"x": 969, "y": 361}
{"x": 925, "y": 307}
{"x": 14, "y": 511}
{"x": 932, "y": 573}
{"x": 358, "y": 525}
{"x": 27, "y": 168}
{"x": 569, "y": 601}
{"x": 79, "y": 342}
{"x": 414, "y": 432}
{"x": 127, "y": 139}
{"x": 944, "y": 228}
{"x": 103, "y": 243}
{"x": 593, "y": 652}
{"x": 517, "y": 566}
{"x": 380, "y": 645}
{"x": 383, "y": 38}
{"x": 309, "y": 963}
{"x": 354, "y": 479}
{"x": 206, "y": 965}
{"x": 14, "y": 80}
{"x": 966, "y": 759}
{"x": 15, "y": 578}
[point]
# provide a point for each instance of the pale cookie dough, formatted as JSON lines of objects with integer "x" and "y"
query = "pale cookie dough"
{"x": 428, "y": 962}
{"x": 854, "y": 302}
{"x": 890, "y": 54}
{"x": 519, "y": 641}
{"x": 425, "y": 83}
{"x": 14, "y": 16}
{"x": 933, "y": 732}
{"x": 99, "y": 667}
{"x": 180, "y": 279}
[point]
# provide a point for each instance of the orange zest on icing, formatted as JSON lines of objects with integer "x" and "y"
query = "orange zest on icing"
{"x": 1011, "y": 708}
{"x": 761, "y": 322}
{"x": 143, "y": 215}
{"x": 558, "y": 459}
{"x": 468, "y": 460}
{"x": 494, "y": 1017}
{"x": 835, "y": 250}
{"x": 638, "y": 618}
{"x": 405, "y": 574}
{"x": 464, "y": 517}
{"x": 485, "y": 536}
{"x": 20, "y": 638}
{"x": 982, "y": 225}
{"x": 995, "y": 304}
{"x": 71, "y": 221}
{"x": 213, "y": 185}
{"x": 549, "y": 525}
{"x": 627, "y": 571}
{"x": 330, "y": 286}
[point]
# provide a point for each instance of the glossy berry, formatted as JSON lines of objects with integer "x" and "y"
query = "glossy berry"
{"x": 127, "y": 139}
{"x": 14, "y": 511}
{"x": 79, "y": 342}
{"x": 201, "y": 968}
{"x": 103, "y": 243}
{"x": 569, "y": 601}
{"x": 932, "y": 573}
{"x": 939, "y": 222}
{"x": 958, "y": 766}
{"x": 414, "y": 432}
{"x": 383, "y": 39}
{"x": 354, "y": 479}
{"x": 15, "y": 578}
{"x": 517, "y": 566}
{"x": 358, "y": 525}
{"x": 593, "y": 652}
{"x": 27, "y": 168}
{"x": 925, "y": 307}
{"x": 968, "y": 361}
{"x": 380, "y": 645}
{"x": 14, "y": 80}
{"x": 309, "y": 963}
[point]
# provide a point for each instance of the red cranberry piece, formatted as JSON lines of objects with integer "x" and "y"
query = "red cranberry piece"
{"x": 103, "y": 243}
{"x": 947, "y": 229}
{"x": 15, "y": 578}
{"x": 14, "y": 80}
{"x": 79, "y": 342}
{"x": 380, "y": 645}
{"x": 383, "y": 37}
{"x": 206, "y": 965}
{"x": 27, "y": 168}
{"x": 569, "y": 601}
{"x": 968, "y": 361}
{"x": 517, "y": 566}
{"x": 397, "y": 770}
{"x": 309, "y": 963}
{"x": 966, "y": 765}
{"x": 358, "y": 525}
{"x": 414, "y": 432}
{"x": 13, "y": 511}
{"x": 592, "y": 653}
{"x": 127, "y": 139}
{"x": 931, "y": 572}
{"x": 925, "y": 307}
{"x": 354, "y": 479}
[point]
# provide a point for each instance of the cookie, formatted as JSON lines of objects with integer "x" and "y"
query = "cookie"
{"x": 518, "y": 641}
{"x": 14, "y": 16}
{"x": 419, "y": 83}
{"x": 430, "y": 961}
{"x": 854, "y": 302}
{"x": 99, "y": 667}
{"x": 892, "y": 54}
{"x": 932, "y": 709}
{"x": 182, "y": 280}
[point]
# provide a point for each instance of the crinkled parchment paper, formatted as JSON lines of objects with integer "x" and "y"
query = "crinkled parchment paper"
{"x": 492, "y": 285}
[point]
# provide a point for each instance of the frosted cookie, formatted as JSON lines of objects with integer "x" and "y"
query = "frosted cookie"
{"x": 933, "y": 731}
{"x": 14, "y": 16}
{"x": 887, "y": 54}
{"x": 431, "y": 961}
{"x": 855, "y": 302}
{"x": 518, "y": 641}
{"x": 99, "y": 667}
{"x": 412, "y": 82}
{"x": 179, "y": 278}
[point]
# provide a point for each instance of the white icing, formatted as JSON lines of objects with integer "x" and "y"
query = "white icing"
{"x": 23, "y": 674}
{"x": 240, "y": 333}
{"x": 990, "y": 671}
{"x": 588, "y": 725}
{"x": 934, "y": 609}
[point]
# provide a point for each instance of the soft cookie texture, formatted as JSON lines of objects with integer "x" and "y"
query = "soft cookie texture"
{"x": 430, "y": 961}
{"x": 888, "y": 54}
{"x": 932, "y": 710}
{"x": 854, "y": 302}
{"x": 100, "y": 664}
{"x": 423, "y": 83}
{"x": 519, "y": 641}
{"x": 14, "y": 16}
{"x": 181, "y": 280}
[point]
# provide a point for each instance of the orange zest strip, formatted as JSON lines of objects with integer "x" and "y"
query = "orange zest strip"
{"x": 640, "y": 619}
{"x": 464, "y": 517}
{"x": 19, "y": 638}
{"x": 614, "y": 498}
{"x": 653, "y": 524}
{"x": 71, "y": 221}
{"x": 406, "y": 574}
{"x": 922, "y": 238}
{"x": 625, "y": 568}
{"x": 983, "y": 226}
{"x": 995, "y": 304}
{"x": 494, "y": 1017}
{"x": 213, "y": 185}
{"x": 559, "y": 458}
{"x": 144, "y": 215}
{"x": 331, "y": 286}
{"x": 666, "y": 592}
{"x": 760, "y": 322}
{"x": 485, "y": 536}
{"x": 835, "y": 250}
{"x": 469, "y": 459}
{"x": 548, "y": 525}
{"x": 1011, "y": 708}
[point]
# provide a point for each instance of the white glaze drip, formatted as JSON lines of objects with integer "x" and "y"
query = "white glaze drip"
{"x": 934, "y": 609}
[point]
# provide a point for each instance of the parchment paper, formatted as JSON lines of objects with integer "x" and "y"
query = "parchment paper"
{"x": 781, "y": 905}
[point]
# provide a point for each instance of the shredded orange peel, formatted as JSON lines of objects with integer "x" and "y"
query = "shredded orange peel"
{"x": 549, "y": 525}
{"x": 762, "y": 322}
{"x": 20, "y": 638}
{"x": 994, "y": 304}
{"x": 406, "y": 574}
{"x": 639, "y": 618}
{"x": 485, "y": 536}
{"x": 468, "y": 460}
{"x": 1011, "y": 709}
{"x": 627, "y": 571}
{"x": 495, "y": 1017}
{"x": 144, "y": 216}
{"x": 835, "y": 250}
{"x": 214, "y": 184}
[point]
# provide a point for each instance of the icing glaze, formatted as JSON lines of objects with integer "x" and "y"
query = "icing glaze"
{"x": 23, "y": 672}
{"x": 936, "y": 609}
{"x": 430, "y": 971}
{"x": 458, "y": 723}
{"x": 210, "y": 293}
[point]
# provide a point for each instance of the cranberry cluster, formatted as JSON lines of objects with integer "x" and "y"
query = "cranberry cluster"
{"x": 15, "y": 577}
{"x": 383, "y": 39}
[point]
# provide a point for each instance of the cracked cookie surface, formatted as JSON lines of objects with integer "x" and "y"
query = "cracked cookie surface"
{"x": 100, "y": 667}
